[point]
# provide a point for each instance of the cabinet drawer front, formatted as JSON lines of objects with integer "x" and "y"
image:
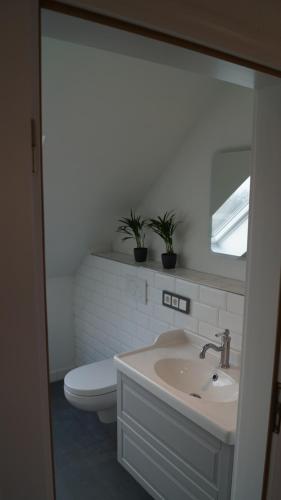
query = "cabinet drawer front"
{"x": 159, "y": 476}
{"x": 191, "y": 444}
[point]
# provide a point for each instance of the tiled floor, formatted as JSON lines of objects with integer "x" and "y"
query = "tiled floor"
{"x": 85, "y": 456}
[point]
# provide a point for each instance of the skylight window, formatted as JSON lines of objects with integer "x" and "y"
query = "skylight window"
{"x": 230, "y": 223}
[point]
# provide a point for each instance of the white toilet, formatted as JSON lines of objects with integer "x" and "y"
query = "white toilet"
{"x": 93, "y": 387}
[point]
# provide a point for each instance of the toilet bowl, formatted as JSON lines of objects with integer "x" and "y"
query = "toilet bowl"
{"x": 93, "y": 387}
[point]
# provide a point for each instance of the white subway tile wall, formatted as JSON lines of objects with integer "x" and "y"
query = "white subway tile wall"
{"x": 110, "y": 318}
{"x": 187, "y": 289}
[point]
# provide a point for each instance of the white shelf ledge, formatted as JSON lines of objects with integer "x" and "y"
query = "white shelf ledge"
{"x": 206, "y": 279}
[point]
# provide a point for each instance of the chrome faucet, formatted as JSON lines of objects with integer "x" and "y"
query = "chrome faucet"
{"x": 224, "y": 349}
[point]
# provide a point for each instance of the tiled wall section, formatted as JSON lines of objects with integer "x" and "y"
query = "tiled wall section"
{"x": 108, "y": 320}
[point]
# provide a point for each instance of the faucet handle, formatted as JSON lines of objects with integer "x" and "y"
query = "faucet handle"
{"x": 225, "y": 334}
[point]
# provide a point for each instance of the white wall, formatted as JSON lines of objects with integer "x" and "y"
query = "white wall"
{"x": 112, "y": 124}
{"x": 226, "y": 124}
{"x": 109, "y": 320}
{"x": 60, "y": 326}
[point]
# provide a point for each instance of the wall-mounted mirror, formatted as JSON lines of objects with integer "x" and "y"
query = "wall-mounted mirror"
{"x": 230, "y": 191}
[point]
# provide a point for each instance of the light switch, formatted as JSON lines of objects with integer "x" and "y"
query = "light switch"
{"x": 175, "y": 301}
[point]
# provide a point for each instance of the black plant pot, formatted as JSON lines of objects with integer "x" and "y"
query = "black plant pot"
{"x": 169, "y": 260}
{"x": 140, "y": 254}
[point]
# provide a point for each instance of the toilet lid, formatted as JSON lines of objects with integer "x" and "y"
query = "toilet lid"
{"x": 93, "y": 379}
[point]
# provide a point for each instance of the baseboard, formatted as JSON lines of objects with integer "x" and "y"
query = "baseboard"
{"x": 56, "y": 375}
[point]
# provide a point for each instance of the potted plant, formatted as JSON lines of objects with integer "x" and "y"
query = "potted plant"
{"x": 133, "y": 228}
{"x": 165, "y": 227}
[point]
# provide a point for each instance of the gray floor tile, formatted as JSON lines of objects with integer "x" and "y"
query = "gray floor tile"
{"x": 86, "y": 467}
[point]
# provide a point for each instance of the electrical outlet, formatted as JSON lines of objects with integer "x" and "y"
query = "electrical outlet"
{"x": 166, "y": 299}
{"x": 175, "y": 301}
{"x": 182, "y": 305}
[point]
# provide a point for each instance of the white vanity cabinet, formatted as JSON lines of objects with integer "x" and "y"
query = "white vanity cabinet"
{"x": 170, "y": 456}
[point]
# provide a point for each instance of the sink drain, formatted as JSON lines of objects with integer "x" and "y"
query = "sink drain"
{"x": 195, "y": 395}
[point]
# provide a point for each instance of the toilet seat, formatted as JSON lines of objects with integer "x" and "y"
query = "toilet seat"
{"x": 95, "y": 379}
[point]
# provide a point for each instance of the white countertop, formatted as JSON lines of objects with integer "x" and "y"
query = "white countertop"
{"x": 218, "y": 418}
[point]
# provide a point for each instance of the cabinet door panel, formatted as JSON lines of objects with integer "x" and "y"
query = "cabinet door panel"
{"x": 188, "y": 441}
{"x": 159, "y": 476}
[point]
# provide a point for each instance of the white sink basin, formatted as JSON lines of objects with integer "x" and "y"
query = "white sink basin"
{"x": 197, "y": 379}
{"x": 171, "y": 370}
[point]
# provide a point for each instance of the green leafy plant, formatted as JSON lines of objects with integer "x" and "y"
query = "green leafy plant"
{"x": 133, "y": 228}
{"x": 165, "y": 227}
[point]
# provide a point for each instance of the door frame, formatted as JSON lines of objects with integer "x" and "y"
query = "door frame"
{"x": 73, "y": 9}
{"x": 274, "y": 441}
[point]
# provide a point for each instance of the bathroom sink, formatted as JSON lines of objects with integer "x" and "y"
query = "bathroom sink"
{"x": 197, "y": 379}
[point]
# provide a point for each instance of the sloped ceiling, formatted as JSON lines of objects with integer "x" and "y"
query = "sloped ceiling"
{"x": 112, "y": 124}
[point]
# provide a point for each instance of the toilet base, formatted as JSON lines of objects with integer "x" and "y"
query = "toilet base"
{"x": 108, "y": 416}
{"x": 103, "y": 404}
